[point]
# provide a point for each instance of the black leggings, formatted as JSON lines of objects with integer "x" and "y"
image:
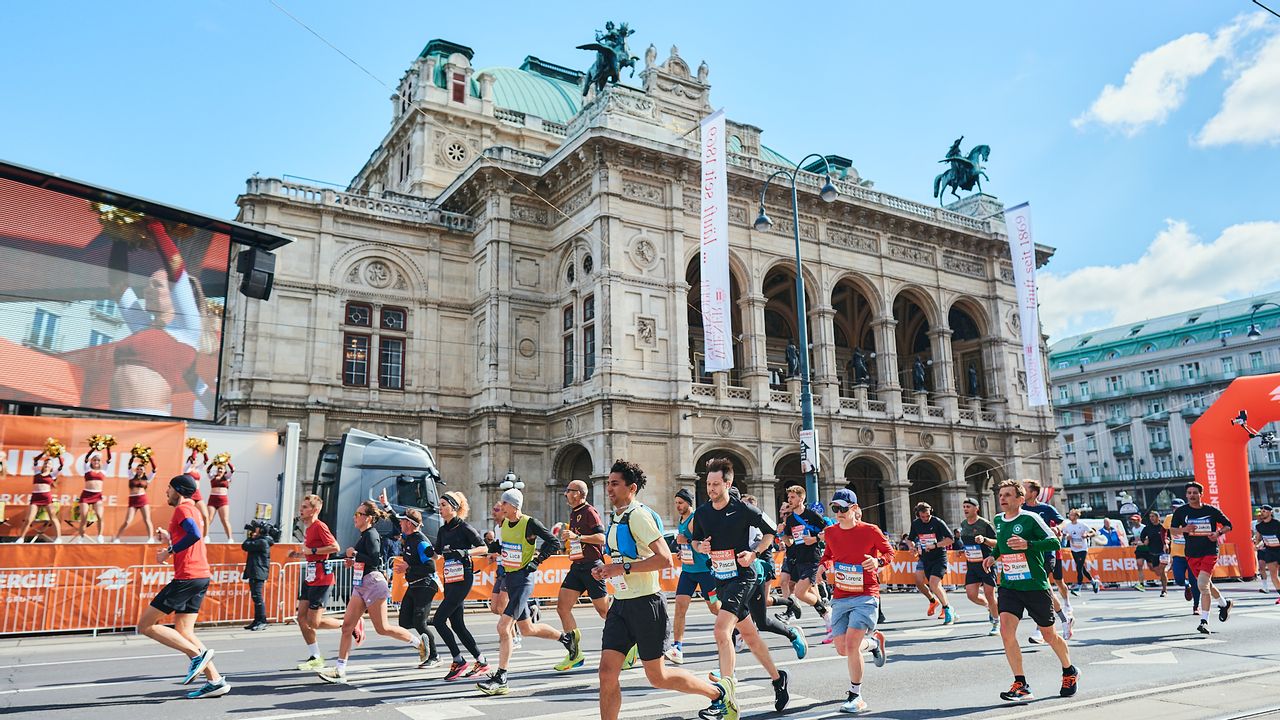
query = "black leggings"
{"x": 415, "y": 606}
{"x": 763, "y": 620}
{"x": 1082, "y": 567}
{"x": 450, "y": 612}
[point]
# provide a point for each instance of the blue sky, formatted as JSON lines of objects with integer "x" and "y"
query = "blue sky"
{"x": 1160, "y": 197}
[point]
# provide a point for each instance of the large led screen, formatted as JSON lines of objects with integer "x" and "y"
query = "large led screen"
{"x": 105, "y": 308}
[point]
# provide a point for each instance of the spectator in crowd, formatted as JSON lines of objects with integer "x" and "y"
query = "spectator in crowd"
{"x": 256, "y": 567}
{"x": 1110, "y": 533}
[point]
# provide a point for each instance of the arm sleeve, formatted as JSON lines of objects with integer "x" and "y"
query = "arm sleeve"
{"x": 1047, "y": 542}
{"x": 425, "y": 552}
{"x": 550, "y": 545}
{"x": 474, "y": 539}
{"x": 192, "y": 530}
{"x": 946, "y": 531}
{"x": 695, "y": 532}
{"x": 1179, "y": 518}
{"x": 912, "y": 533}
{"x": 1221, "y": 518}
{"x": 758, "y": 520}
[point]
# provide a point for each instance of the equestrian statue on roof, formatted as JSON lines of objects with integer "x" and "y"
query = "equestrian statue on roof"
{"x": 964, "y": 173}
{"x": 612, "y": 56}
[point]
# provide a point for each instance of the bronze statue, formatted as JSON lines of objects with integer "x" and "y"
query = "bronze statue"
{"x": 917, "y": 375}
{"x": 612, "y": 56}
{"x": 858, "y": 367}
{"x": 964, "y": 172}
{"x": 793, "y": 359}
{"x": 973, "y": 380}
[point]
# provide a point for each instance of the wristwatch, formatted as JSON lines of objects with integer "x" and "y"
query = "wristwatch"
{"x": 626, "y": 568}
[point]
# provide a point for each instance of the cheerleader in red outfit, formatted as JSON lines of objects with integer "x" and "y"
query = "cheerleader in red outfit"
{"x": 220, "y": 471}
{"x": 199, "y": 447}
{"x": 42, "y": 490}
{"x": 91, "y": 496}
{"x": 138, "y": 482}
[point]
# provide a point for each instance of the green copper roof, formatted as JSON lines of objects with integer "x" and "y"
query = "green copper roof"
{"x": 768, "y": 155}
{"x": 534, "y": 94}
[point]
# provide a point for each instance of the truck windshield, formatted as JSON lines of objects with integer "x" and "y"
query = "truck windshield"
{"x": 419, "y": 492}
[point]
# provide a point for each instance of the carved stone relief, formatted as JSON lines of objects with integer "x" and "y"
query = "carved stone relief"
{"x": 646, "y": 331}
{"x": 964, "y": 265}
{"x": 528, "y": 214}
{"x": 724, "y": 426}
{"x": 853, "y": 239}
{"x": 643, "y": 192}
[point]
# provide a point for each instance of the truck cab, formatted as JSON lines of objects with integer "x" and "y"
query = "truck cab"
{"x": 360, "y": 466}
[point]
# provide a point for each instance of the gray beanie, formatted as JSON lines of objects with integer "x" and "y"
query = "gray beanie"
{"x": 513, "y": 497}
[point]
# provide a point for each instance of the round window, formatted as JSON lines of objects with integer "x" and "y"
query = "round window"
{"x": 588, "y": 265}
{"x": 455, "y": 151}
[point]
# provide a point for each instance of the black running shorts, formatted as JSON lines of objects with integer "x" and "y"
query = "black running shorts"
{"x": 735, "y": 593}
{"x": 183, "y": 597}
{"x": 317, "y": 596}
{"x": 641, "y": 622}
{"x": 580, "y": 580}
{"x": 975, "y": 575}
{"x": 1036, "y": 603}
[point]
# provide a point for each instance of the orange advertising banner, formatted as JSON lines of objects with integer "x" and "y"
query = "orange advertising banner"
{"x": 22, "y": 438}
{"x": 51, "y": 588}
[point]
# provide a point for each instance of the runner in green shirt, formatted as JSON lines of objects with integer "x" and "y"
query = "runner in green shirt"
{"x": 1020, "y": 544}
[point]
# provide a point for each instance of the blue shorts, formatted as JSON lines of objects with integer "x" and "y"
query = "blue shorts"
{"x": 519, "y": 592}
{"x": 691, "y": 581}
{"x": 859, "y": 613}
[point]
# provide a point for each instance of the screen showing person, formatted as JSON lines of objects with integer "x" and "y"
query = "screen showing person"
{"x": 106, "y": 308}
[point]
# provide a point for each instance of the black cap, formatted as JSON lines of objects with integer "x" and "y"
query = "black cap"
{"x": 184, "y": 485}
{"x": 685, "y": 495}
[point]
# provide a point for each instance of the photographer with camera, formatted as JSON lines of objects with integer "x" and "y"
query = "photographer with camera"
{"x": 260, "y": 536}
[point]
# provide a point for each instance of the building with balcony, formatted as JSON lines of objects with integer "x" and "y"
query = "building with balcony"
{"x": 1126, "y": 397}
{"x": 513, "y": 277}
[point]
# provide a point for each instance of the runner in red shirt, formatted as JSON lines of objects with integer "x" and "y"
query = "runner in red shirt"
{"x": 854, "y": 554}
{"x": 185, "y": 593}
{"x": 317, "y": 581}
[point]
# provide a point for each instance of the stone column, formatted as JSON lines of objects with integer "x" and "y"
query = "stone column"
{"x": 753, "y": 340}
{"x": 944, "y": 380}
{"x": 827, "y": 381}
{"x": 890, "y": 387}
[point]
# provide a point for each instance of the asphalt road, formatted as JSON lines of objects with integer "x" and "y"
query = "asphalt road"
{"x": 1129, "y": 646}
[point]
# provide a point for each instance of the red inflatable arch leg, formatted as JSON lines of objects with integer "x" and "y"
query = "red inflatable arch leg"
{"x": 1220, "y": 449}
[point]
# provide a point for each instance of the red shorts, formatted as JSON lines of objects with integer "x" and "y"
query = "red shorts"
{"x": 197, "y": 496}
{"x": 42, "y": 499}
{"x": 1199, "y": 565}
{"x": 89, "y": 498}
{"x": 138, "y": 501}
{"x": 217, "y": 501}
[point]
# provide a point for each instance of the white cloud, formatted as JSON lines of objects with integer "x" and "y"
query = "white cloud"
{"x": 1250, "y": 110}
{"x": 1156, "y": 84}
{"x": 1178, "y": 271}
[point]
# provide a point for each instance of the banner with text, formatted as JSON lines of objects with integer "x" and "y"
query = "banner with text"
{"x": 1022, "y": 247}
{"x": 717, "y": 315}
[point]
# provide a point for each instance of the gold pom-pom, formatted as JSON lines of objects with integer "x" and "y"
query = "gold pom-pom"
{"x": 141, "y": 452}
{"x": 53, "y": 448}
{"x": 222, "y": 458}
{"x": 199, "y": 445}
{"x": 101, "y": 442}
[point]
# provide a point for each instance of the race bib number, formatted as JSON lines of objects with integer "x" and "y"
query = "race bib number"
{"x": 686, "y": 554}
{"x": 512, "y": 556}
{"x": 1078, "y": 544}
{"x": 848, "y": 577}
{"x": 1179, "y": 540}
{"x": 575, "y": 549}
{"x": 1164, "y": 559}
{"x": 619, "y": 583}
{"x": 452, "y": 571}
{"x": 797, "y": 533}
{"x": 1015, "y": 566}
{"x": 973, "y": 553}
{"x": 312, "y": 571}
{"x": 1199, "y": 526}
{"x": 1270, "y": 541}
{"x": 724, "y": 564}
{"x": 357, "y": 574}
{"x": 928, "y": 541}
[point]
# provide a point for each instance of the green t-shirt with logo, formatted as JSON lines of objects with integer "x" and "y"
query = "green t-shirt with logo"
{"x": 1023, "y": 569}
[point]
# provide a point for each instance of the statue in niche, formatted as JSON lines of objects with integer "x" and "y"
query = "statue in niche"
{"x": 857, "y": 368}
{"x": 973, "y": 380}
{"x": 917, "y": 375}
{"x": 793, "y": 359}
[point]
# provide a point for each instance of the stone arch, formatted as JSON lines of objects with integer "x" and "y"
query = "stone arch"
{"x": 982, "y": 476}
{"x": 916, "y": 315}
{"x": 928, "y": 477}
{"x": 869, "y": 475}
{"x": 856, "y": 308}
{"x": 359, "y": 259}
{"x": 570, "y": 258}
{"x": 781, "y": 316}
{"x": 743, "y": 477}
{"x": 969, "y": 327}
{"x": 571, "y": 462}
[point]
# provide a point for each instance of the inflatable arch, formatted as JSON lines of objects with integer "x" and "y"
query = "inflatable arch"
{"x": 1220, "y": 450}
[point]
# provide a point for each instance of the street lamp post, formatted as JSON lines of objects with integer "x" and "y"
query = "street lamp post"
{"x": 1254, "y": 332}
{"x": 762, "y": 224}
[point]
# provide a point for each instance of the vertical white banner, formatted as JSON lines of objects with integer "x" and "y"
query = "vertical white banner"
{"x": 717, "y": 316}
{"x": 1022, "y": 247}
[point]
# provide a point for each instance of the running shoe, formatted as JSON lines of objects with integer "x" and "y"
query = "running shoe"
{"x": 784, "y": 617}
{"x": 1164, "y": 593}
{"x": 517, "y": 642}
{"x": 1019, "y": 692}
{"x": 430, "y": 662}
{"x": 211, "y": 690}
{"x": 570, "y": 663}
{"x": 933, "y": 608}
{"x": 1097, "y": 587}
{"x": 1069, "y": 627}
{"x": 948, "y": 617}
{"x": 854, "y": 705}
{"x": 781, "y": 696}
{"x": 493, "y": 686}
{"x": 799, "y": 643}
{"x": 1203, "y": 628}
{"x": 575, "y": 658}
{"x": 257, "y": 627}
{"x": 738, "y": 643}
{"x": 1225, "y": 610}
{"x": 478, "y": 668}
{"x": 829, "y": 638}
{"x": 630, "y": 660}
{"x": 1074, "y": 590}
{"x": 995, "y": 626}
{"x": 726, "y": 708}
{"x": 1139, "y": 587}
{"x": 333, "y": 675}
{"x": 1069, "y": 682}
{"x": 1186, "y": 593}
{"x": 1263, "y": 590}
{"x": 198, "y": 664}
{"x": 457, "y": 671}
{"x": 358, "y": 633}
{"x": 793, "y": 607}
{"x": 1035, "y": 640}
{"x": 1278, "y": 601}
{"x": 675, "y": 655}
{"x": 422, "y": 651}
{"x": 879, "y": 652}
{"x": 315, "y": 662}
{"x": 535, "y": 611}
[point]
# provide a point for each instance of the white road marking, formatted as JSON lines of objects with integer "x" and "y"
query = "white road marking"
{"x": 111, "y": 659}
{"x": 286, "y": 716}
{"x": 438, "y": 710}
{"x": 59, "y": 688}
